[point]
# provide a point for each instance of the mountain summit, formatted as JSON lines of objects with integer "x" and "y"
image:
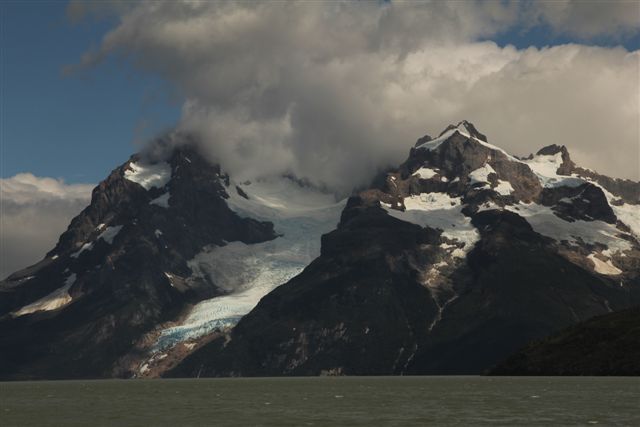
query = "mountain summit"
{"x": 444, "y": 265}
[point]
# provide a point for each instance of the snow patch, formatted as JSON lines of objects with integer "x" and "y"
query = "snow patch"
{"x": 503, "y": 188}
{"x": 162, "y": 200}
{"x": 435, "y": 143}
{"x": 85, "y": 247}
{"x": 441, "y": 211}
{"x": 425, "y": 173}
{"x": 110, "y": 233}
{"x": 170, "y": 277}
{"x": 149, "y": 176}
{"x": 56, "y": 299}
{"x": 604, "y": 267}
{"x": 481, "y": 175}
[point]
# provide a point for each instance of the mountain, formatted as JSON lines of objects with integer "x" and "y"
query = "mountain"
{"x": 603, "y": 345}
{"x": 446, "y": 264}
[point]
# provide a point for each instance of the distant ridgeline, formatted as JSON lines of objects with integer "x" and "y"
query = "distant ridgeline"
{"x": 448, "y": 264}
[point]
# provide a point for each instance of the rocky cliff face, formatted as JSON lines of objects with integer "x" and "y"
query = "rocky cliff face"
{"x": 446, "y": 264}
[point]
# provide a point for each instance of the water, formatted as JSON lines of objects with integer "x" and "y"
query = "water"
{"x": 348, "y": 401}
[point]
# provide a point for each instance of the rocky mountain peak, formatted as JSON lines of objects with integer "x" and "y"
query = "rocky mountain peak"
{"x": 566, "y": 166}
{"x": 174, "y": 259}
{"x": 465, "y": 127}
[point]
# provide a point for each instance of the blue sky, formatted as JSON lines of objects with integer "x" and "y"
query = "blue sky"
{"x": 80, "y": 127}
{"x": 76, "y": 127}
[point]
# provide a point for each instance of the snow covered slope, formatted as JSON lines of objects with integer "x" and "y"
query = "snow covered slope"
{"x": 247, "y": 272}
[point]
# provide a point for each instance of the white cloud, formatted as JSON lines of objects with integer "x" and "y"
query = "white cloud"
{"x": 34, "y": 212}
{"x": 333, "y": 91}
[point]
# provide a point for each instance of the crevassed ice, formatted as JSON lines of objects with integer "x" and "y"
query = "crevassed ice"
{"x": 439, "y": 210}
{"x": 56, "y": 299}
{"x": 248, "y": 272}
{"x": 149, "y": 175}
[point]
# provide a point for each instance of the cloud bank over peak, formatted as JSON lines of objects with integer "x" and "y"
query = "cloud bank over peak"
{"x": 334, "y": 91}
{"x": 34, "y": 212}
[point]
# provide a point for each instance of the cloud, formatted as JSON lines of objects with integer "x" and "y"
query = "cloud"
{"x": 587, "y": 19}
{"x": 334, "y": 91}
{"x": 34, "y": 212}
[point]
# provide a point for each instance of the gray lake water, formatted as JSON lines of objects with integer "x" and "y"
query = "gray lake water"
{"x": 329, "y": 401}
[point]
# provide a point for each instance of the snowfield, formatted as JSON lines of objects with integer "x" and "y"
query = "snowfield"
{"x": 544, "y": 221}
{"x": 545, "y": 168}
{"x": 248, "y": 272}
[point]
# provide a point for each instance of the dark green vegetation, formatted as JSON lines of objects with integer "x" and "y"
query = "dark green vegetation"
{"x": 353, "y": 401}
{"x": 604, "y": 345}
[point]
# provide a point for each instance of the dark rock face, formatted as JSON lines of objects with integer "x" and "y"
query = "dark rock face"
{"x": 586, "y": 202}
{"x": 603, "y": 345}
{"x": 518, "y": 289}
{"x": 123, "y": 288}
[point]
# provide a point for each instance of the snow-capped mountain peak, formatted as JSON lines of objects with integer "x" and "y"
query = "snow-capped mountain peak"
{"x": 174, "y": 262}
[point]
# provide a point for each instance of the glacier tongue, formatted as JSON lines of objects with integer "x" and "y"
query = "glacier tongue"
{"x": 248, "y": 272}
